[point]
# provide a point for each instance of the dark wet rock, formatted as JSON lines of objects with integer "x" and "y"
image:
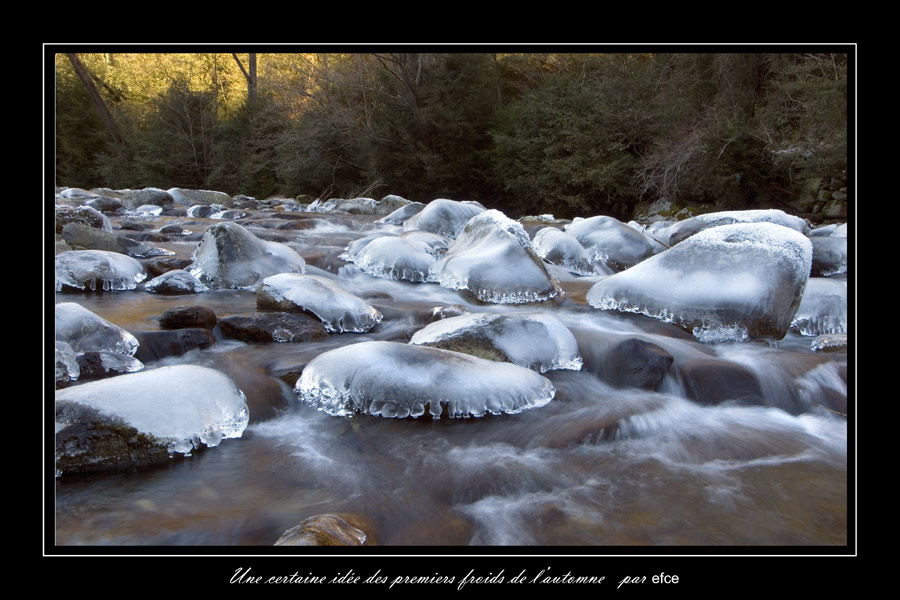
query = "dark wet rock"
{"x": 182, "y": 317}
{"x": 623, "y": 360}
{"x": 713, "y": 381}
{"x": 158, "y": 265}
{"x": 66, "y": 365}
{"x": 322, "y": 530}
{"x": 272, "y": 327}
{"x": 155, "y": 345}
{"x": 105, "y": 204}
{"x": 99, "y": 365}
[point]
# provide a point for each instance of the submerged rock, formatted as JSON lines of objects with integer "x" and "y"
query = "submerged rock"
{"x": 155, "y": 345}
{"x": 179, "y": 317}
{"x": 322, "y": 530}
{"x": 229, "y": 256}
{"x": 443, "y": 217}
{"x": 725, "y": 283}
{"x": 493, "y": 259}
{"x": 95, "y": 270}
{"x": 391, "y": 379}
{"x": 506, "y": 337}
{"x": 273, "y": 327}
{"x": 612, "y": 242}
{"x": 339, "y": 310}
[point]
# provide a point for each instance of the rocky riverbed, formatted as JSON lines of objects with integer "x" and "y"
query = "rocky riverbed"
{"x": 386, "y": 372}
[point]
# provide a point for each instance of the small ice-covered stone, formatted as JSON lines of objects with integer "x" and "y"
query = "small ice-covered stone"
{"x": 613, "y": 242}
{"x": 829, "y": 256}
{"x": 444, "y": 217}
{"x": 86, "y": 331}
{"x": 397, "y": 380}
{"x": 396, "y": 257}
{"x": 185, "y": 405}
{"x": 97, "y": 270}
{"x": 177, "y": 281}
{"x": 823, "y": 308}
{"x": 339, "y": 310}
{"x": 508, "y": 337}
{"x": 493, "y": 259}
{"x": 562, "y": 249}
{"x": 402, "y": 214}
{"x": 230, "y": 256}
{"x": 725, "y": 283}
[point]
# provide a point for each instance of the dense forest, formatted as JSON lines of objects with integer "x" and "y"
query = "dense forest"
{"x": 528, "y": 133}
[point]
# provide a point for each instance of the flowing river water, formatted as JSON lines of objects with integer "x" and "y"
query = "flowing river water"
{"x": 597, "y": 466}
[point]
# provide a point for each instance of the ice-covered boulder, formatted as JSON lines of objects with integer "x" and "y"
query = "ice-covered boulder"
{"x": 613, "y": 242}
{"x": 823, "y": 308}
{"x": 339, "y": 310}
{"x": 402, "y": 214}
{"x": 85, "y": 237}
{"x": 829, "y": 256}
{"x": 173, "y": 282}
{"x": 177, "y": 407}
{"x": 97, "y": 270}
{"x": 392, "y": 379}
{"x": 136, "y": 198}
{"x": 562, "y": 249}
{"x": 493, "y": 259}
{"x": 186, "y": 197}
{"x": 85, "y": 331}
{"x": 680, "y": 231}
{"x": 444, "y": 217}
{"x": 395, "y": 257}
{"x": 83, "y": 214}
{"x": 506, "y": 337}
{"x": 724, "y": 283}
{"x": 230, "y": 256}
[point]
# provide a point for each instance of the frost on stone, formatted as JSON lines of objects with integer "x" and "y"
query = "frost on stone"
{"x": 184, "y": 405}
{"x": 562, "y": 249}
{"x": 66, "y": 363}
{"x": 395, "y": 257}
{"x": 397, "y": 380}
{"x": 726, "y": 283}
{"x": 148, "y": 210}
{"x": 402, "y": 214}
{"x": 177, "y": 281}
{"x": 443, "y": 217}
{"x": 682, "y": 230}
{"x": 613, "y": 242}
{"x": 229, "y": 256}
{"x": 97, "y": 270}
{"x": 86, "y": 331}
{"x": 339, "y": 310}
{"x": 493, "y": 259}
{"x": 823, "y": 308}
{"x": 535, "y": 340}
{"x": 829, "y": 256}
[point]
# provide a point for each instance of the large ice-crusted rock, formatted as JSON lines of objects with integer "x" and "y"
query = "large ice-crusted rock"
{"x": 179, "y": 407}
{"x": 613, "y": 242}
{"x": 395, "y": 257}
{"x": 83, "y": 214}
{"x": 680, "y": 231}
{"x": 823, "y": 308}
{"x": 562, "y": 249}
{"x": 392, "y": 379}
{"x": 186, "y": 197}
{"x": 97, "y": 270}
{"x": 133, "y": 199}
{"x": 230, "y": 256}
{"x": 493, "y": 259}
{"x": 724, "y": 283}
{"x": 444, "y": 217}
{"x": 339, "y": 310}
{"x": 86, "y": 331}
{"x": 536, "y": 340}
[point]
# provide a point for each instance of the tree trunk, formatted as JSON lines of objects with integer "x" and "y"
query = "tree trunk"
{"x": 249, "y": 75}
{"x": 96, "y": 98}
